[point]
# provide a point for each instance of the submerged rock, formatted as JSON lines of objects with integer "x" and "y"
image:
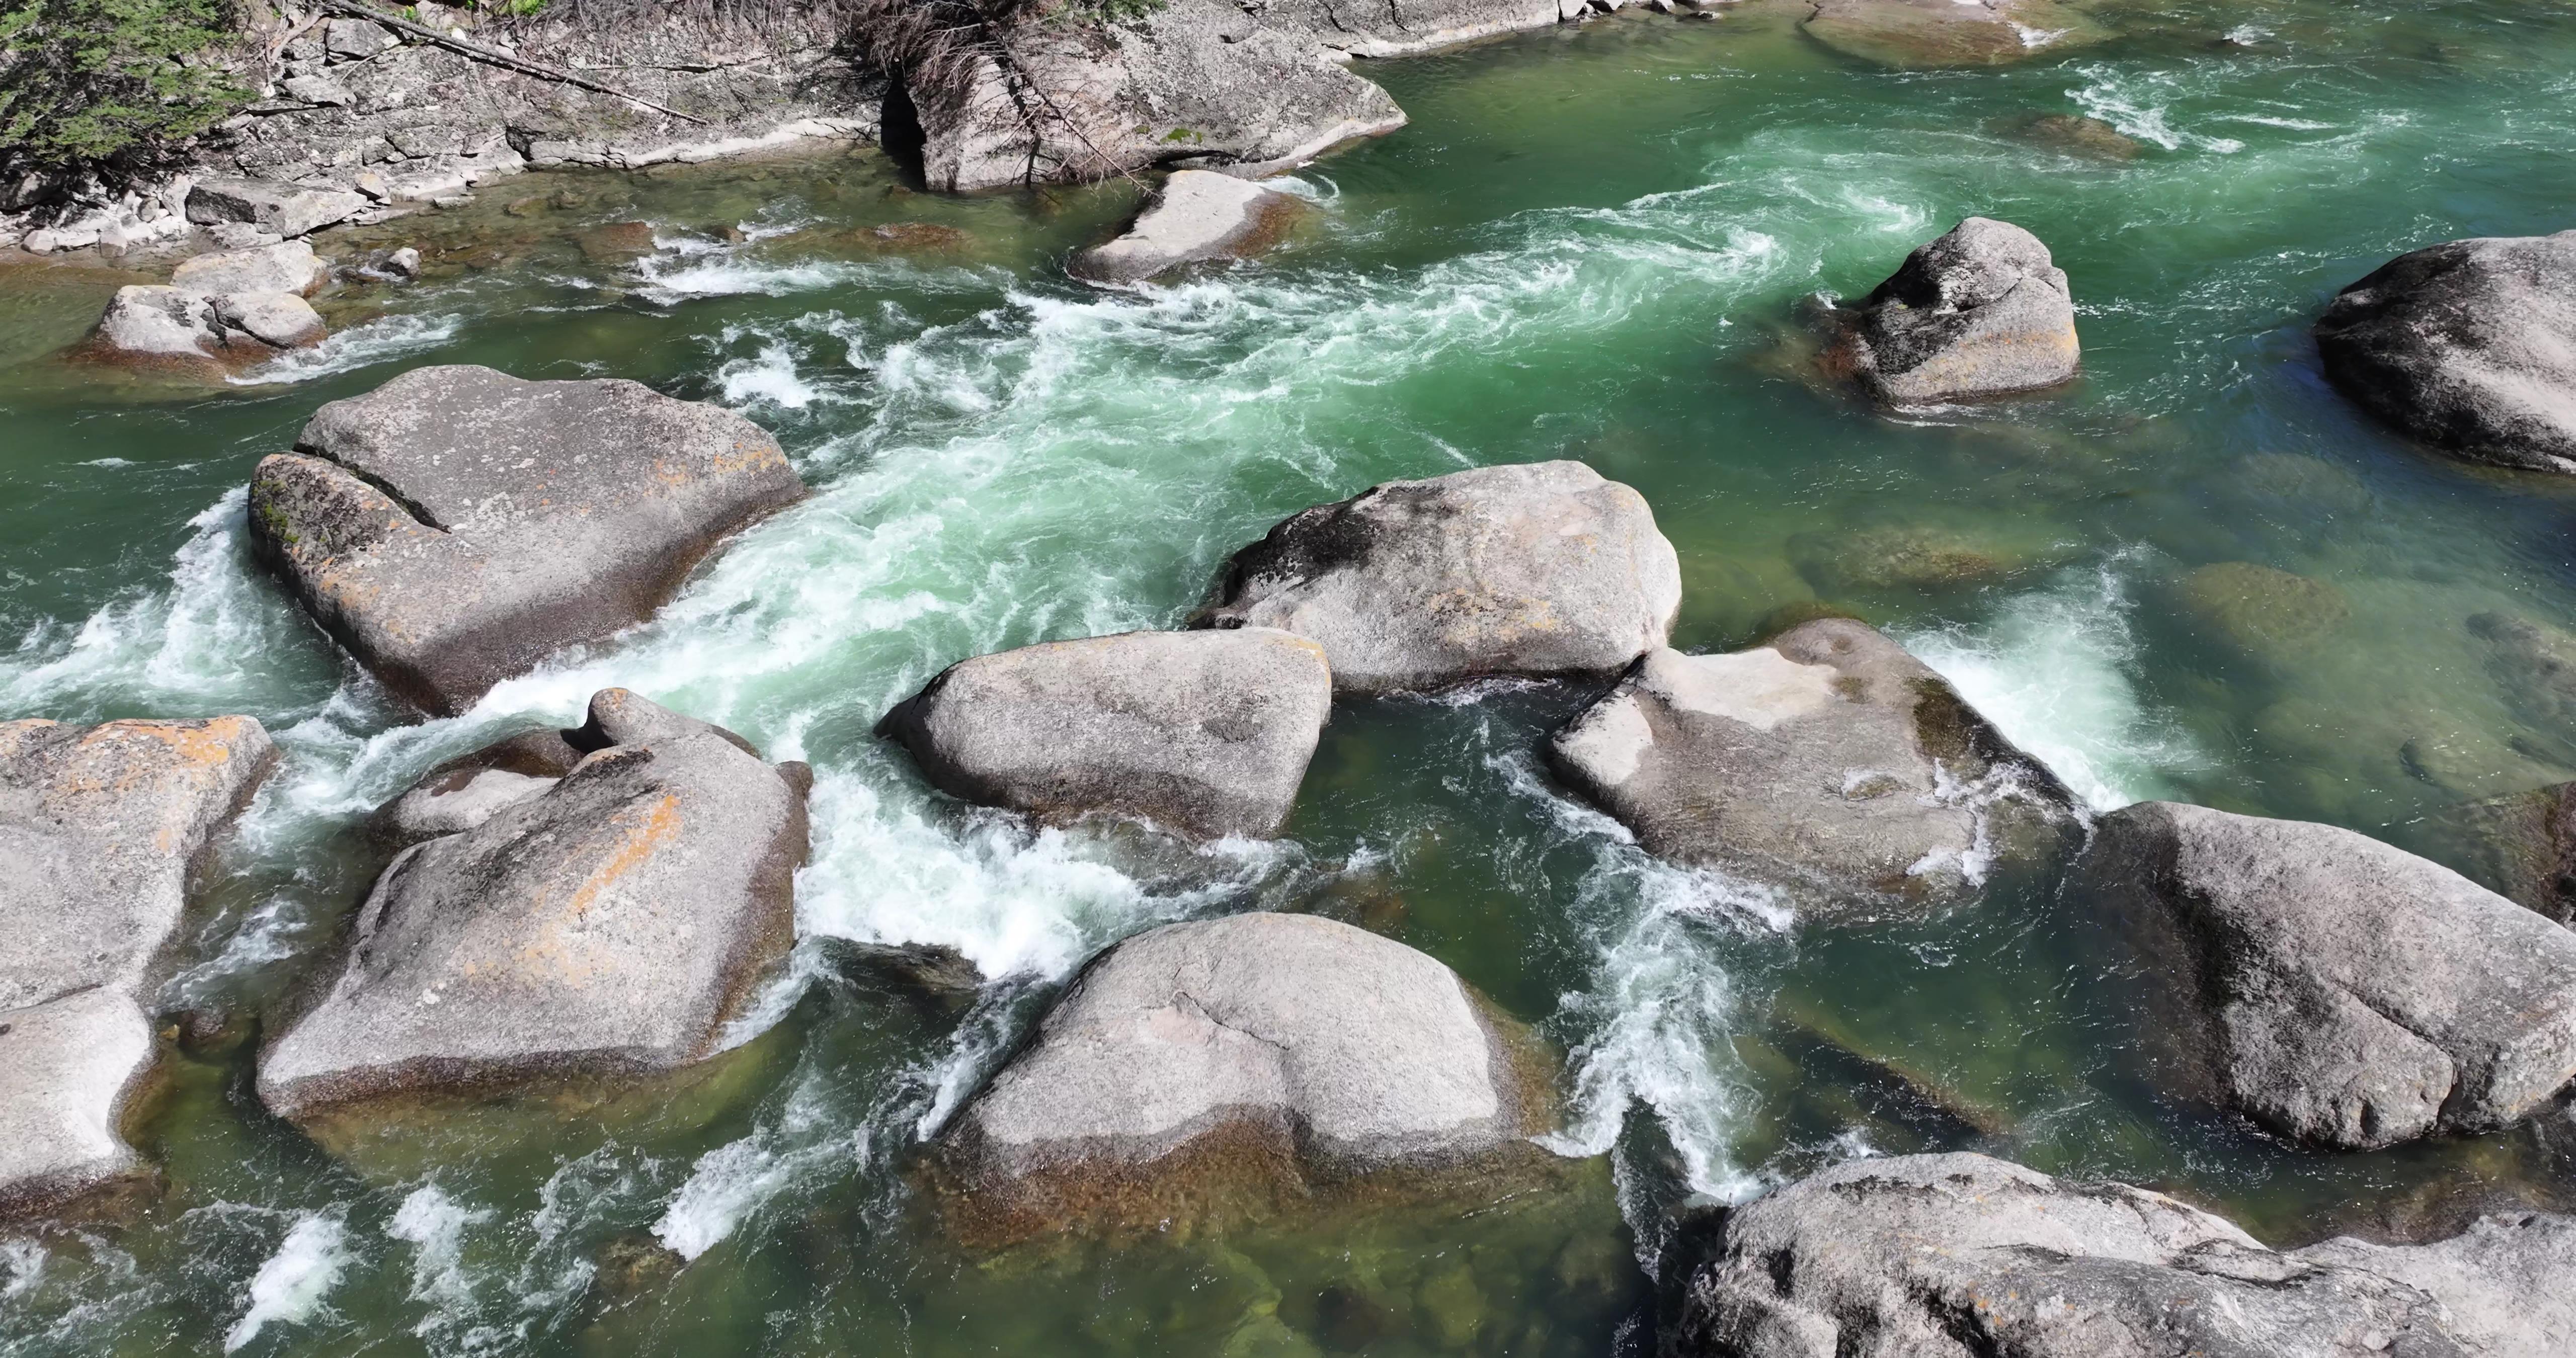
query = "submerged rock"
{"x": 1192, "y": 82}
{"x": 1538, "y": 569}
{"x": 1208, "y": 733}
{"x": 1960, "y": 1253}
{"x": 1904, "y": 556}
{"x": 2334, "y": 988}
{"x": 2522, "y": 845}
{"x": 1225, "y": 1065}
{"x": 2469, "y": 345}
{"x": 2260, "y": 610}
{"x": 1909, "y": 33}
{"x": 1827, "y": 761}
{"x": 606, "y": 928}
{"x": 1198, "y": 216}
{"x": 2076, "y": 136}
{"x": 1982, "y": 311}
{"x": 615, "y": 242}
{"x": 2535, "y": 665}
{"x": 456, "y": 525}
{"x": 70, "y": 1071}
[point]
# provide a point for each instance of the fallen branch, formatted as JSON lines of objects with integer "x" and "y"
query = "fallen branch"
{"x": 497, "y": 57}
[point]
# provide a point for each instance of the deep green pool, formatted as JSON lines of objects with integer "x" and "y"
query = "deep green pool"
{"x": 1588, "y": 244}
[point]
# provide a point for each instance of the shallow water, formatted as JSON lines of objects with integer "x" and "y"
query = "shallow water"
{"x": 1588, "y": 244}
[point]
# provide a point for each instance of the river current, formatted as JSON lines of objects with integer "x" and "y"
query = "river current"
{"x": 1590, "y": 243}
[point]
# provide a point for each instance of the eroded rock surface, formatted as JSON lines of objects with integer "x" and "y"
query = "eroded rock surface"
{"x": 1962, "y": 1254}
{"x": 1207, "y": 733}
{"x": 1827, "y": 761}
{"x": 2339, "y": 990}
{"x": 1197, "y": 217}
{"x": 278, "y": 209}
{"x": 2469, "y": 345}
{"x": 70, "y": 1069}
{"x": 288, "y": 266}
{"x": 606, "y": 928}
{"x": 1536, "y": 569}
{"x": 1259, "y": 1055}
{"x": 456, "y": 525}
{"x": 1982, "y": 311}
{"x": 462, "y": 793}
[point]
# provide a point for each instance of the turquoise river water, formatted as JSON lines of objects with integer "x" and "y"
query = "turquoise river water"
{"x": 1590, "y": 244}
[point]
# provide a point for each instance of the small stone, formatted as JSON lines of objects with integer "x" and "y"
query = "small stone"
{"x": 373, "y": 185}
{"x": 1198, "y": 216}
{"x": 403, "y": 263}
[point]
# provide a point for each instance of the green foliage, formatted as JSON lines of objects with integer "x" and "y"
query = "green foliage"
{"x": 1117, "y": 11}
{"x": 516, "y": 9}
{"x": 111, "y": 86}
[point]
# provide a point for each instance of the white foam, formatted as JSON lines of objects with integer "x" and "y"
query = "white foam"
{"x": 22, "y": 1265}
{"x": 735, "y": 1179}
{"x": 292, "y": 1286}
{"x": 2139, "y": 103}
{"x": 359, "y": 346}
{"x": 768, "y": 378}
{"x": 434, "y": 1225}
{"x": 2054, "y": 671}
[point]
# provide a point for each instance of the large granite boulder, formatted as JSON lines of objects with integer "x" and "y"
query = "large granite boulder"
{"x": 607, "y": 928}
{"x": 1981, "y": 311}
{"x": 1961, "y": 1254}
{"x": 1198, "y": 216}
{"x": 1827, "y": 761}
{"x": 1194, "y": 82}
{"x": 1537, "y": 569}
{"x": 278, "y": 209}
{"x": 1417, "y": 26}
{"x": 71, "y": 1071}
{"x": 288, "y": 266}
{"x": 456, "y": 525}
{"x": 100, "y": 827}
{"x": 1920, "y": 33}
{"x": 174, "y": 332}
{"x": 2470, "y": 345}
{"x": 2334, "y": 988}
{"x": 1207, "y": 733}
{"x": 1224, "y": 1064}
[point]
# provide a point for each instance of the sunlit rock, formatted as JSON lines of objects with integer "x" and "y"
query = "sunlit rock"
{"x": 1828, "y": 762}
{"x": 1198, "y": 216}
{"x": 2337, "y": 989}
{"x": 1217, "y": 1069}
{"x": 1910, "y": 33}
{"x": 1207, "y": 733}
{"x": 456, "y": 525}
{"x": 288, "y": 266}
{"x": 71, "y": 1071}
{"x": 286, "y": 210}
{"x": 2469, "y": 345}
{"x": 1536, "y": 569}
{"x": 465, "y": 792}
{"x": 607, "y": 928}
{"x": 1981, "y": 311}
{"x": 1960, "y": 1253}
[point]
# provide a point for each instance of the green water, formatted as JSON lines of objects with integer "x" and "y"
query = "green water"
{"x": 1588, "y": 244}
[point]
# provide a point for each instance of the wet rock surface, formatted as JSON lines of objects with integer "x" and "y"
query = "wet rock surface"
{"x": 1539, "y": 569}
{"x": 1218, "y": 1065}
{"x": 1198, "y": 216}
{"x": 1827, "y": 761}
{"x": 1982, "y": 311}
{"x": 1207, "y": 733}
{"x": 2469, "y": 345}
{"x": 1960, "y": 1253}
{"x": 604, "y": 929}
{"x": 456, "y": 525}
{"x": 2334, "y": 988}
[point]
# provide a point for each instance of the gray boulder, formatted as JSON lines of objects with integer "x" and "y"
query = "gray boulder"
{"x": 607, "y": 928}
{"x": 176, "y": 332}
{"x": 1243, "y": 1058}
{"x": 2334, "y": 988}
{"x": 1420, "y": 26}
{"x": 1827, "y": 761}
{"x": 71, "y": 1072}
{"x": 99, "y": 829}
{"x": 1197, "y": 217}
{"x": 1208, "y": 733}
{"x": 1961, "y": 1254}
{"x": 2469, "y": 345}
{"x": 278, "y": 209}
{"x": 276, "y": 320}
{"x": 1539, "y": 569}
{"x": 1982, "y": 311}
{"x": 288, "y": 266}
{"x": 1934, "y": 33}
{"x": 1194, "y": 82}
{"x": 456, "y": 525}
{"x": 462, "y": 793}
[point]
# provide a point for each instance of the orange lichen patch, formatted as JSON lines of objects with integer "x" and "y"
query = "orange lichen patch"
{"x": 197, "y": 744}
{"x": 643, "y": 831}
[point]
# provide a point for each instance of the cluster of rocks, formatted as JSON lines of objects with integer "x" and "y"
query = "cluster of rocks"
{"x": 218, "y": 314}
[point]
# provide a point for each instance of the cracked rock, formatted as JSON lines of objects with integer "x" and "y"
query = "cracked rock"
{"x": 1982, "y": 311}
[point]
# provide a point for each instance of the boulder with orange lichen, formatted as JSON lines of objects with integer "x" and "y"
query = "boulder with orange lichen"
{"x": 606, "y": 929}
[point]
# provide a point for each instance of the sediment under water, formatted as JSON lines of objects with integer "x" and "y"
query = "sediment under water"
{"x": 1590, "y": 244}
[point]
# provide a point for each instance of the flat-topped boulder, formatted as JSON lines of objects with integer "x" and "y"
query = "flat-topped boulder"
{"x": 1206, "y": 733}
{"x": 1828, "y": 761}
{"x": 1198, "y": 216}
{"x": 607, "y": 928}
{"x": 1532, "y": 570}
{"x": 288, "y": 266}
{"x": 1226, "y": 1064}
{"x": 1921, "y": 33}
{"x": 2334, "y": 988}
{"x": 2469, "y": 345}
{"x": 1982, "y": 311}
{"x": 175, "y": 332}
{"x": 1961, "y": 1254}
{"x": 71, "y": 1071}
{"x": 457, "y": 525}
{"x": 1420, "y": 26}
{"x": 100, "y": 827}
{"x": 278, "y": 209}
